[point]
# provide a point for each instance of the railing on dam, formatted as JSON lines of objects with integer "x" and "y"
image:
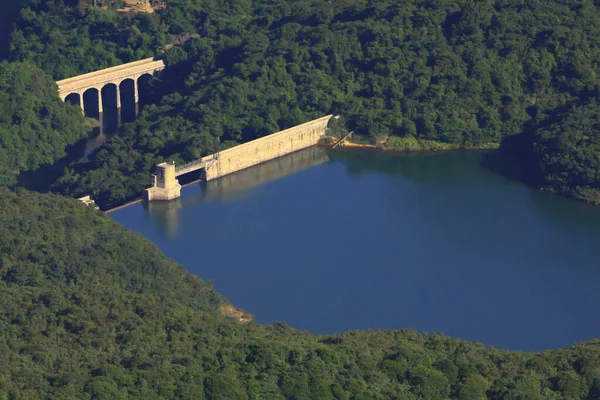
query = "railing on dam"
{"x": 189, "y": 167}
{"x": 196, "y": 165}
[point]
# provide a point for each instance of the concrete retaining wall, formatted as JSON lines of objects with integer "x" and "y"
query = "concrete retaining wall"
{"x": 267, "y": 148}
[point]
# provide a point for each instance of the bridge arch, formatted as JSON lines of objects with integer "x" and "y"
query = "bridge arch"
{"x": 128, "y": 90}
{"x": 74, "y": 98}
{"x": 91, "y": 101}
{"x": 142, "y": 83}
{"x": 110, "y": 95}
{"x": 98, "y": 80}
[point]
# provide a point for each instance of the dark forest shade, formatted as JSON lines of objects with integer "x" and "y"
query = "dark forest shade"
{"x": 9, "y": 12}
{"x": 36, "y": 127}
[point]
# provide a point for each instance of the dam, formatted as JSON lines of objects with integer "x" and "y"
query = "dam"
{"x": 233, "y": 187}
{"x": 165, "y": 185}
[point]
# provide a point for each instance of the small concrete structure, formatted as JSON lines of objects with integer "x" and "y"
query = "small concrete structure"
{"x": 165, "y": 185}
{"x": 109, "y": 76}
{"x": 88, "y": 201}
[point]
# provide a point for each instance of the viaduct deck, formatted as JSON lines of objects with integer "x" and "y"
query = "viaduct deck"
{"x": 115, "y": 75}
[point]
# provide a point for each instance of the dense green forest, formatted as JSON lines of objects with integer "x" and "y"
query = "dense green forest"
{"x": 569, "y": 151}
{"x": 69, "y": 37}
{"x": 464, "y": 73}
{"x": 91, "y": 310}
{"x": 35, "y": 125}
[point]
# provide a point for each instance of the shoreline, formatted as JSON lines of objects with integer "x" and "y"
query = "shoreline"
{"x": 345, "y": 144}
{"x": 141, "y": 199}
{"x": 424, "y": 147}
{"x": 126, "y": 204}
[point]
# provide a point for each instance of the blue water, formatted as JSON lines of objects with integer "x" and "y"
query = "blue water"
{"x": 365, "y": 240}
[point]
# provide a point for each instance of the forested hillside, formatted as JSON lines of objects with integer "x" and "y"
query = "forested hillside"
{"x": 69, "y": 37}
{"x": 35, "y": 125}
{"x": 456, "y": 72}
{"x": 569, "y": 151}
{"x": 91, "y": 310}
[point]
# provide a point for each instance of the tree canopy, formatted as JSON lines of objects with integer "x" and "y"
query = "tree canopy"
{"x": 454, "y": 72}
{"x": 91, "y": 310}
{"x": 35, "y": 125}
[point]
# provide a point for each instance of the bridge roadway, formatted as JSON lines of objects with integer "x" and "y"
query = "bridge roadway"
{"x": 114, "y": 75}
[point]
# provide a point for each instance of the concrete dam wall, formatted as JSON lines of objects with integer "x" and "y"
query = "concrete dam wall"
{"x": 166, "y": 186}
{"x": 234, "y": 186}
{"x": 266, "y": 148}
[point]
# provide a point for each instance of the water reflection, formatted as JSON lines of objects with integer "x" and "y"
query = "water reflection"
{"x": 482, "y": 188}
{"x": 166, "y": 215}
{"x": 417, "y": 166}
{"x": 432, "y": 242}
{"x": 233, "y": 187}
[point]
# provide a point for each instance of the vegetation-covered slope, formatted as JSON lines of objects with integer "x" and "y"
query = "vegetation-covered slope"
{"x": 561, "y": 153}
{"x": 35, "y": 125}
{"x": 457, "y": 72}
{"x": 93, "y": 311}
{"x": 569, "y": 152}
{"x": 66, "y": 38}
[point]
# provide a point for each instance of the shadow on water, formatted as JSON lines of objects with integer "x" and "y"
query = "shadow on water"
{"x": 517, "y": 162}
{"x": 106, "y": 124}
{"x": 151, "y": 91}
{"x": 442, "y": 168}
{"x": 567, "y": 212}
{"x": 459, "y": 164}
{"x": 233, "y": 187}
{"x": 476, "y": 166}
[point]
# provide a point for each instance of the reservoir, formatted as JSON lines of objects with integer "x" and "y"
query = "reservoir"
{"x": 353, "y": 239}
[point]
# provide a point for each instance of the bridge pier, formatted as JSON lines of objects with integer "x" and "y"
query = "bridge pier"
{"x": 100, "y": 110}
{"x": 136, "y": 92}
{"x": 81, "y": 103}
{"x": 118, "y": 97}
{"x": 165, "y": 185}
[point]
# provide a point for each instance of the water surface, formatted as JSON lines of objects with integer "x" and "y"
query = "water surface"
{"x": 364, "y": 240}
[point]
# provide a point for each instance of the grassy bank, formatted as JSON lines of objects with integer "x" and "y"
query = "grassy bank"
{"x": 411, "y": 143}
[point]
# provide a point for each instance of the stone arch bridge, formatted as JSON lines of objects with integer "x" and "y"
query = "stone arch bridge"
{"x": 116, "y": 76}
